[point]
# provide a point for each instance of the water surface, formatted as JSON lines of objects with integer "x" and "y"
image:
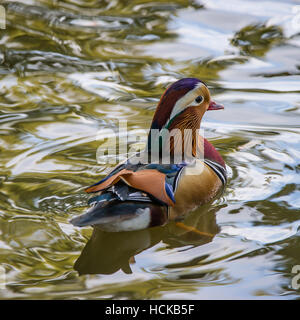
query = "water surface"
{"x": 71, "y": 69}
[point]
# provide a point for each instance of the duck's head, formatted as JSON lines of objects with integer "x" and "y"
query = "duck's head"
{"x": 189, "y": 98}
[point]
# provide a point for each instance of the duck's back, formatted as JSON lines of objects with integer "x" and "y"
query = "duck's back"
{"x": 132, "y": 197}
{"x": 136, "y": 196}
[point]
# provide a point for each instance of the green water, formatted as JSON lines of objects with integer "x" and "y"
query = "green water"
{"x": 70, "y": 69}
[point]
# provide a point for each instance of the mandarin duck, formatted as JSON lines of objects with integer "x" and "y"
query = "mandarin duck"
{"x": 178, "y": 171}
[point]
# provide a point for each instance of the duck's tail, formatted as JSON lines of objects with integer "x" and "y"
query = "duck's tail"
{"x": 123, "y": 216}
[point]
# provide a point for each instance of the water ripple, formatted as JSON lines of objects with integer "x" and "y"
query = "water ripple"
{"x": 70, "y": 71}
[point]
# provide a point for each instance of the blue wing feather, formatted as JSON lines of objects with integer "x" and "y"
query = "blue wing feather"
{"x": 170, "y": 192}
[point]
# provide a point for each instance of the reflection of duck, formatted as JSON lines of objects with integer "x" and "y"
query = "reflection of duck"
{"x": 138, "y": 194}
{"x": 106, "y": 252}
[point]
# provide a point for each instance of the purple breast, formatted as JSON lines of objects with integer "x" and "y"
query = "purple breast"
{"x": 212, "y": 154}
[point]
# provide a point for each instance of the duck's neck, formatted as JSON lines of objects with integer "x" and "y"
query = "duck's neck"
{"x": 179, "y": 138}
{"x": 185, "y": 142}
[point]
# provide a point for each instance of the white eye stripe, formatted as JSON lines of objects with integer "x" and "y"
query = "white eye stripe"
{"x": 187, "y": 100}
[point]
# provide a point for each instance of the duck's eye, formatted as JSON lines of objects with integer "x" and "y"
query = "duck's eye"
{"x": 199, "y": 99}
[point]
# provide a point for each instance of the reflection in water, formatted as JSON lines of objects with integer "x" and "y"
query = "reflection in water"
{"x": 106, "y": 252}
{"x": 257, "y": 40}
{"x": 70, "y": 69}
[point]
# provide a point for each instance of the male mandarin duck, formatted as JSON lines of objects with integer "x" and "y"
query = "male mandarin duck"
{"x": 139, "y": 193}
